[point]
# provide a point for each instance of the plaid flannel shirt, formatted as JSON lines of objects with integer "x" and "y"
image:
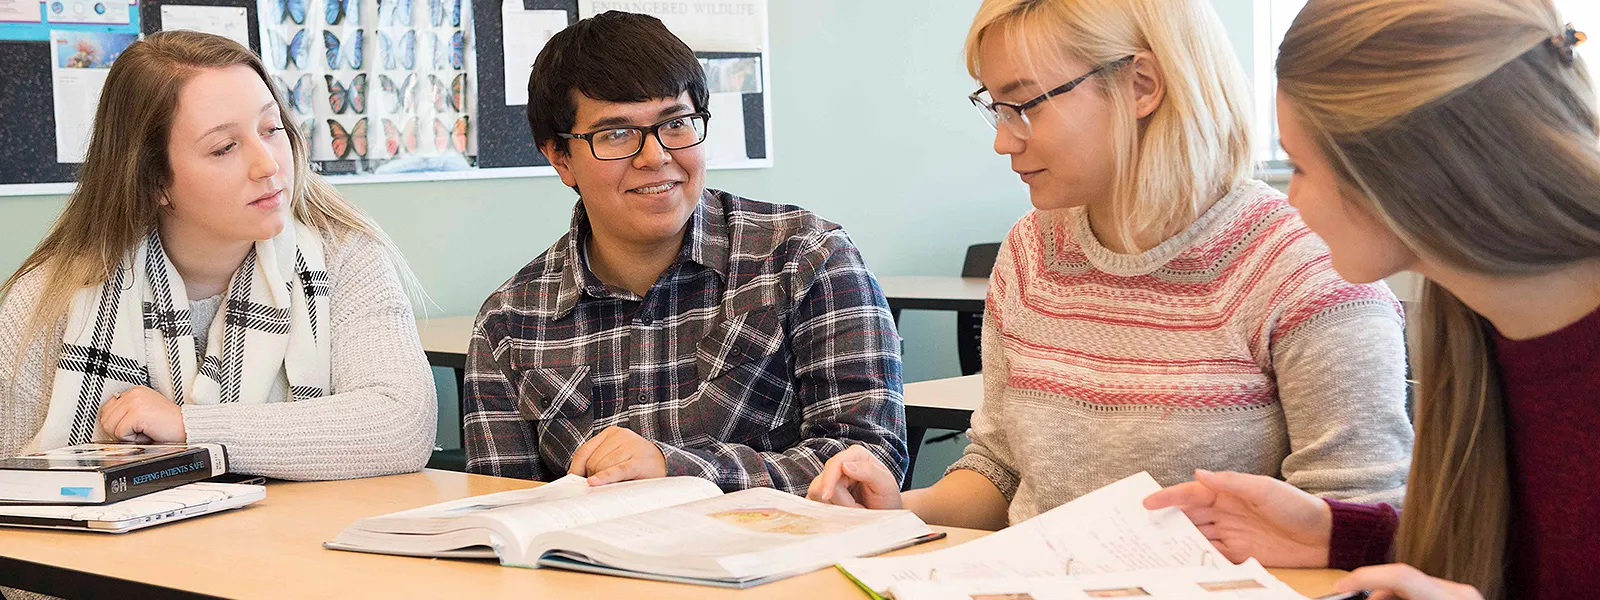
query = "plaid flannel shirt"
{"x": 763, "y": 350}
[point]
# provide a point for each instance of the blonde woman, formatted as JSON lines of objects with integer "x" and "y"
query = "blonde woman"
{"x": 1159, "y": 311}
{"x": 203, "y": 285}
{"x": 1457, "y": 139}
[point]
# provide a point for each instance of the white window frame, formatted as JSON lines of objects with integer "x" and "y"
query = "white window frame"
{"x": 1272, "y": 19}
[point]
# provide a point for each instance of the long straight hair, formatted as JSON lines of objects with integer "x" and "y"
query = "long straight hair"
{"x": 1470, "y": 133}
{"x": 126, "y": 171}
{"x": 1195, "y": 146}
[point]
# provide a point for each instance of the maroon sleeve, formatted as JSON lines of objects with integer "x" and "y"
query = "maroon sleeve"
{"x": 1362, "y": 534}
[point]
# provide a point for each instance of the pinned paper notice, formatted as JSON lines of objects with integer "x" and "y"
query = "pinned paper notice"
{"x": 227, "y": 21}
{"x": 524, "y": 33}
{"x": 705, "y": 25}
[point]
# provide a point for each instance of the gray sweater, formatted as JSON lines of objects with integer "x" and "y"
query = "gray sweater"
{"x": 378, "y": 420}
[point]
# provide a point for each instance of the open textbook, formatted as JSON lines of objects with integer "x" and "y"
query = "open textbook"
{"x": 1105, "y": 532}
{"x": 1248, "y": 581}
{"x": 680, "y": 529}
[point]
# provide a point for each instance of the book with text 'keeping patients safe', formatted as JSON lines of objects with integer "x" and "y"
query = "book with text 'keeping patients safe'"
{"x": 102, "y": 473}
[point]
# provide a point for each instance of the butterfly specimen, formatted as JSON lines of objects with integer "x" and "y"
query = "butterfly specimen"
{"x": 401, "y": 53}
{"x": 450, "y": 138}
{"x": 292, "y": 10}
{"x": 344, "y": 142}
{"x": 307, "y": 128}
{"x": 394, "y": 12}
{"x": 452, "y": 55}
{"x": 296, "y": 51}
{"x": 455, "y": 96}
{"x": 400, "y": 139}
{"x": 335, "y": 11}
{"x": 402, "y": 97}
{"x": 352, "y": 97}
{"x": 440, "y": 11}
{"x": 348, "y": 51}
{"x": 299, "y": 96}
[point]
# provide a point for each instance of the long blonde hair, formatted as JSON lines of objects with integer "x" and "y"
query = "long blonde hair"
{"x": 1466, "y": 128}
{"x": 1195, "y": 146}
{"x": 116, "y": 203}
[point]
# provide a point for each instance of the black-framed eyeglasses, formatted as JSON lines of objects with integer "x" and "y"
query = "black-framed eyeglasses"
{"x": 618, "y": 143}
{"x": 1015, "y": 115}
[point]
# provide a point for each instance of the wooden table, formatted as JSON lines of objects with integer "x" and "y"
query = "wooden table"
{"x": 272, "y": 549}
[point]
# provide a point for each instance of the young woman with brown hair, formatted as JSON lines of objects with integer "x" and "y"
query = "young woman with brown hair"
{"x": 204, "y": 285}
{"x": 1457, "y": 139}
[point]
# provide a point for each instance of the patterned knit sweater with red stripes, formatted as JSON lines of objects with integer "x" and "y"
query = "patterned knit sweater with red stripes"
{"x": 1231, "y": 346}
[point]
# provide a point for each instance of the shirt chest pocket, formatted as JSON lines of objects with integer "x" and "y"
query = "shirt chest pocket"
{"x": 745, "y": 339}
{"x": 547, "y": 394}
{"x": 745, "y": 376}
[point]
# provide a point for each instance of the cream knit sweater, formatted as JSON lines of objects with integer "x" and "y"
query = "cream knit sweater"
{"x": 378, "y": 420}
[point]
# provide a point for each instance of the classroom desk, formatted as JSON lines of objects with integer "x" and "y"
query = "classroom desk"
{"x": 445, "y": 340}
{"x": 916, "y": 292}
{"x": 273, "y": 549}
{"x": 944, "y": 403}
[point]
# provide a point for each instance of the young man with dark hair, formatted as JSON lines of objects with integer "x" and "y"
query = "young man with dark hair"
{"x": 674, "y": 330}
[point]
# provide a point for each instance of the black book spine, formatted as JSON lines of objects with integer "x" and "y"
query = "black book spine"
{"x": 136, "y": 480}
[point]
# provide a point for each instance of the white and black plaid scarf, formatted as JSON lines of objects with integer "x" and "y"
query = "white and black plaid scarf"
{"x": 135, "y": 330}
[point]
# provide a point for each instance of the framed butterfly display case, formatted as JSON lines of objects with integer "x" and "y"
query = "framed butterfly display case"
{"x": 377, "y": 86}
{"x": 412, "y": 90}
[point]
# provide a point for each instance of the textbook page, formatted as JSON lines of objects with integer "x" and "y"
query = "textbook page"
{"x": 744, "y": 534}
{"x": 519, "y": 515}
{"x": 1248, "y": 581}
{"x": 1105, "y": 531}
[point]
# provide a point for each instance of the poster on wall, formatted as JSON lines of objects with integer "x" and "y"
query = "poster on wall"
{"x": 79, "y": 63}
{"x": 377, "y": 86}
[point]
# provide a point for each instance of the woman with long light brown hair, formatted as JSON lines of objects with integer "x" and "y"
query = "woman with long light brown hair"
{"x": 204, "y": 285}
{"x": 1457, "y": 139}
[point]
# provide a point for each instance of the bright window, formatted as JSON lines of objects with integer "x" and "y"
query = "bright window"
{"x": 1272, "y": 20}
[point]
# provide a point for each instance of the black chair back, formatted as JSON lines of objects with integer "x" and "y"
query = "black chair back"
{"x": 969, "y": 325}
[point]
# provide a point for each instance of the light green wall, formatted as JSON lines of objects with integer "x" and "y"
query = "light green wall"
{"x": 871, "y": 127}
{"x": 872, "y": 130}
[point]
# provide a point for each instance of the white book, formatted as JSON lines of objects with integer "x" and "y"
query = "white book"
{"x": 1107, "y": 531}
{"x": 1248, "y": 581}
{"x": 676, "y": 529}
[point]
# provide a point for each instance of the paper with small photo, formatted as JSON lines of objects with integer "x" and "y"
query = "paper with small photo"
{"x": 737, "y": 75}
{"x": 79, "y": 63}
